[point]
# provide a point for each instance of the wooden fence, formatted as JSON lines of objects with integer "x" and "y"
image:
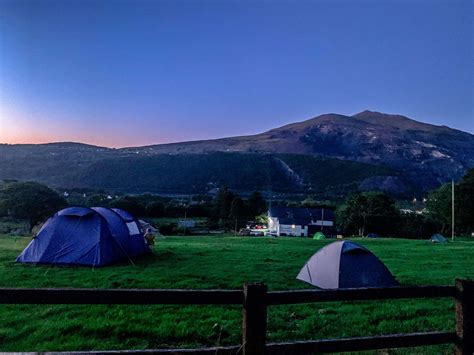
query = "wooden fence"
{"x": 255, "y": 300}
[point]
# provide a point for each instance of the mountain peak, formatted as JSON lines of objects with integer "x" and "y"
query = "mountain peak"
{"x": 373, "y": 114}
{"x": 365, "y": 112}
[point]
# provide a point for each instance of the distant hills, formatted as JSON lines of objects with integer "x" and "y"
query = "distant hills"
{"x": 329, "y": 154}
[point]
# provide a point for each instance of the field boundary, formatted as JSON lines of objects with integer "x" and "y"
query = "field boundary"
{"x": 255, "y": 300}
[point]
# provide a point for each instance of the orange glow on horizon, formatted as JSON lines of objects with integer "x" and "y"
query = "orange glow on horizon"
{"x": 30, "y": 125}
{"x": 26, "y": 128}
{"x": 37, "y": 139}
{"x": 109, "y": 142}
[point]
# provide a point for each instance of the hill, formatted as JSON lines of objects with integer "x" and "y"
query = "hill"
{"x": 330, "y": 153}
{"x": 188, "y": 173}
{"x": 197, "y": 173}
{"x": 425, "y": 154}
{"x": 51, "y": 164}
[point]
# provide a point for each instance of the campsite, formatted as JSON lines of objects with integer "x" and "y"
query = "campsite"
{"x": 107, "y": 251}
{"x": 223, "y": 262}
{"x": 236, "y": 177}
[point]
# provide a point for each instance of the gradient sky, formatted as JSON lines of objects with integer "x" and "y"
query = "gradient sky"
{"x": 121, "y": 73}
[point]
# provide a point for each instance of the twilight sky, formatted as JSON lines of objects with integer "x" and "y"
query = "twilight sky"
{"x": 121, "y": 73}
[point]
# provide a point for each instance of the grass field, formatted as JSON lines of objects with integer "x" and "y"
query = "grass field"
{"x": 223, "y": 262}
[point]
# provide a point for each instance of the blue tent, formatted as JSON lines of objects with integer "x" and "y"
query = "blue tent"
{"x": 345, "y": 264}
{"x": 95, "y": 236}
{"x": 135, "y": 230}
{"x": 438, "y": 238}
{"x": 373, "y": 235}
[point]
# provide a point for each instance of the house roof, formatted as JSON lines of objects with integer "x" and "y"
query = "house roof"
{"x": 306, "y": 214}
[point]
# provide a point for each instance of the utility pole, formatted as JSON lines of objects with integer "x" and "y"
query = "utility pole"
{"x": 185, "y": 213}
{"x": 452, "y": 210}
{"x": 322, "y": 220}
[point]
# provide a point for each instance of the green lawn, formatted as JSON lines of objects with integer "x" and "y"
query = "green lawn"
{"x": 222, "y": 262}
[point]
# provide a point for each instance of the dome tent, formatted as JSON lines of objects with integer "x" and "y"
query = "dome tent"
{"x": 438, "y": 238}
{"x": 319, "y": 236}
{"x": 134, "y": 229}
{"x": 95, "y": 236}
{"x": 146, "y": 225}
{"x": 373, "y": 235}
{"x": 345, "y": 264}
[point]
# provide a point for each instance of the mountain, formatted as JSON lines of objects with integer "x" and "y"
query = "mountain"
{"x": 51, "y": 163}
{"x": 329, "y": 154}
{"x": 425, "y": 154}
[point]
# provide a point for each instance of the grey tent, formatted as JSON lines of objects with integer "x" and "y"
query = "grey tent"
{"x": 145, "y": 225}
{"x": 345, "y": 264}
{"x": 438, "y": 238}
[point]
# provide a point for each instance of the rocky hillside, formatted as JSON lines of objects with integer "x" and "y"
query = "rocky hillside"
{"x": 425, "y": 154}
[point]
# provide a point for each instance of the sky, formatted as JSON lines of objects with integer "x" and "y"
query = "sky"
{"x": 128, "y": 73}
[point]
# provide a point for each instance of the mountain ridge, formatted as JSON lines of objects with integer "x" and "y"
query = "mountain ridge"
{"x": 359, "y": 115}
{"x": 422, "y": 155}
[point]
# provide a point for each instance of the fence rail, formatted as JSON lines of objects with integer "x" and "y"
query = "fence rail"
{"x": 359, "y": 294}
{"x": 363, "y": 343}
{"x": 255, "y": 300}
{"x": 210, "y": 297}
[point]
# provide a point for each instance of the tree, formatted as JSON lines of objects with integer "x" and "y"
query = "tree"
{"x": 129, "y": 204}
{"x": 155, "y": 209}
{"x": 174, "y": 209}
{"x": 237, "y": 208}
{"x": 464, "y": 203}
{"x": 97, "y": 200}
{"x": 439, "y": 207}
{"x": 352, "y": 215}
{"x": 262, "y": 219}
{"x": 257, "y": 204}
{"x": 416, "y": 226}
{"x": 238, "y": 212}
{"x": 310, "y": 202}
{"x": 30, "y": 201}
{"x": 368, "y": 212}
{"x": 223, "y": 203}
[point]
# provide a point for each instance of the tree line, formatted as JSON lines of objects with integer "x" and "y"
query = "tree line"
{"x": 378, "y": 213}
{"x": 34, "y": 202}
{"x": 359, "y": 214}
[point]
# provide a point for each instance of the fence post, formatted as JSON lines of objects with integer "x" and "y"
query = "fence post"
{"x": 464, "y": 317}
{"x": 254, "y": 326}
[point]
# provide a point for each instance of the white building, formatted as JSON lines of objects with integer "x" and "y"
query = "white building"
{"x": 300, "y": 222}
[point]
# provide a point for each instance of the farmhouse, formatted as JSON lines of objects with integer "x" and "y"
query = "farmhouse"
{"x": 300, "y": 222}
